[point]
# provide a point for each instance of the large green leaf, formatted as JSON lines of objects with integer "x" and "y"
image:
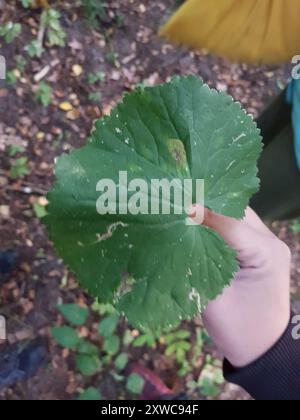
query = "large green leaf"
{"x": 181, "y": 130}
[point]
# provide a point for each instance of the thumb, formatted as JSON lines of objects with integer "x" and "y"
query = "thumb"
{"x": 239, "y": 234}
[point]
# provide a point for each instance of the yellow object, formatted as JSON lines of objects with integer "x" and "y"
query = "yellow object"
{"x": 66, "y": 106}
{"x": 77, "y": 70}
{"x": 254, "y": 31}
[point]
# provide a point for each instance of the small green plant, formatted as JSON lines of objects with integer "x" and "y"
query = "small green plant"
{"x": 92, "y": 358}
{"x": 95, "y": 96}
{"x": 34, "y": 49}
{"x": 210, "y": 379}
{"x": 94, "y": 11}
{"x": 147, "y": 338}
{"x": 103, "y": 308}
{"x": 13, "y": 150}
{"x": 44, "y": 94}
{"x": 97, "y": 15}
{"x": 87, "y": 354}
{"x": 112, "y": 57}
{"x": 178, "y": 344}
{"x": 19, "y": 168}
{"x": 87, "y": 358}
{"x": 94, "y": 78}
{"x": 10, "y": 31}
{"x": 106, "y": 329}
{"x": 55, "y": 34}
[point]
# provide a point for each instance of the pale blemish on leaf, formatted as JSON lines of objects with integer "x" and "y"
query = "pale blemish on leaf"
{"x": 195, "y": 295}
{"x": 178, "y": 153}
{"x": 110, "y": 231}
{"x": 239, "y": 138}
{"x": 125, "y": 287}
{"x": 230, "y": 165}
{"x": 135, "y": 168}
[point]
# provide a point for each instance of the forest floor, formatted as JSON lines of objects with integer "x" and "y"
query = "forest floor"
{"x": 87, "y": 76}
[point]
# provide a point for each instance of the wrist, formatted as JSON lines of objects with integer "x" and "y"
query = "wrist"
{"x": 275, "y": 375}
{"x": 261, "y": 340}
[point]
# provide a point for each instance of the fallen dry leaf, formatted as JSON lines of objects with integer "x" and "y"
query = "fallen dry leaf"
{"x": 77, "y": 70}
{"x": 66, "y": 106}
{"x": 73, "y": 114}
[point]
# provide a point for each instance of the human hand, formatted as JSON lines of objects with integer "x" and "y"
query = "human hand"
{"x": 253, "y": 313}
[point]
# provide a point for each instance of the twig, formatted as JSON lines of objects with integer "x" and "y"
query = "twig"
{"x": 41, "y": 33}
{"x": 43, "y": 73}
